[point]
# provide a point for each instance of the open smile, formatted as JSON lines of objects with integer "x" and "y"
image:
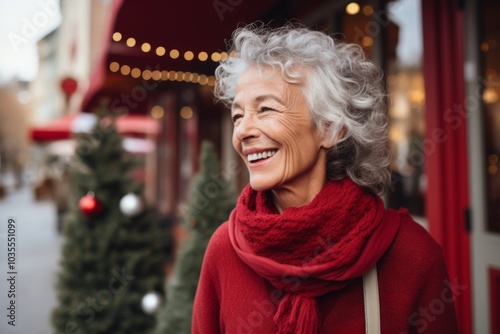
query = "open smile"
{"x": 260, "y": 156}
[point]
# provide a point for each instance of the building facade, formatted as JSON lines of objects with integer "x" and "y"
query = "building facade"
{"x": 441, "y": 62}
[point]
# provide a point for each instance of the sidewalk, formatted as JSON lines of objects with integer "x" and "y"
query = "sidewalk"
{"x": 38, "y": 248}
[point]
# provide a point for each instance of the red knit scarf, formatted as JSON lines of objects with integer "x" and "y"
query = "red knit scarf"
{"x": 311, "y": 250}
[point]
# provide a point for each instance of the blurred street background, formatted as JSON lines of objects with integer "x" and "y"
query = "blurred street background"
{"x": 39, "y": 246}
{"x": 150, "y": 65}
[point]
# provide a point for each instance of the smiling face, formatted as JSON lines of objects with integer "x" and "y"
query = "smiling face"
{"x": 275, "y": 136}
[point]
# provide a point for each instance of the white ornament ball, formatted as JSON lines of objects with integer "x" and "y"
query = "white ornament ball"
{"x": 151, "y": 302}
{"x": 131, "y": 205}
{"x": 84, "y": 122}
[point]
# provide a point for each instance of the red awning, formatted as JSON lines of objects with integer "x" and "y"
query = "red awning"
{"x": 62, "y": 128}
{"x": 195, "y": 26}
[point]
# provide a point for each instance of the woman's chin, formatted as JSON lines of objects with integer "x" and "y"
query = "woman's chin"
{"x": 258, "y": 184}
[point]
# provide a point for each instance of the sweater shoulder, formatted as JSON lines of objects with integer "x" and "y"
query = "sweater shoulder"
{"x": 220, "y": 238}
{"x": 219, "y": 248}
{"x": 412, "y": 234}
{"x": 414, "y": 246}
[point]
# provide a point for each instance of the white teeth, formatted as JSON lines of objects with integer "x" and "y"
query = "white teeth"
{"x": 261, "y": 155}
{"x": 252, "y": 157}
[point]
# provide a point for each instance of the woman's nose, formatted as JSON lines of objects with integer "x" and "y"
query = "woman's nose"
{"x": 247, "y": 127}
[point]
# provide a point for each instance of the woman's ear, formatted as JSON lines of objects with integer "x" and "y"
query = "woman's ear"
{"x": 328, "y": 143}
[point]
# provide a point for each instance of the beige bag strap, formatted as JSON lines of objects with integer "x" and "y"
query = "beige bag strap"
{"x": 371, "y": 299}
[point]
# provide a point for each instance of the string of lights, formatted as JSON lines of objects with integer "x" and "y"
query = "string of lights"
{"x": 172, "y": 53}
{"x": 165, "y": 75}
{"x": 162, "y": 75}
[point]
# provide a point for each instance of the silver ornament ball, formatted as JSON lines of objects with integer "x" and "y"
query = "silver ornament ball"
{"x": 131, "y": 205}
{"x": 151, "y": 302}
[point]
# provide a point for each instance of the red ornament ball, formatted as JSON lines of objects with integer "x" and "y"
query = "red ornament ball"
{"x": 89, "y": 205}
{"x": 69, "y": 86}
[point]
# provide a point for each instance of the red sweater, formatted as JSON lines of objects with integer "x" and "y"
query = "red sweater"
{"x": 416, "y": 295}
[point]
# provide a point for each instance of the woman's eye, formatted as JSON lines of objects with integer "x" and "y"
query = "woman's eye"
{"x": 236, "y": 118}
{"x": 263, "y": 109}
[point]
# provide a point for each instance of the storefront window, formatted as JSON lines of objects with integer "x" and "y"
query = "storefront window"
{"x": 358, "y": 25}
{"x": 490, "y": 59}
{"x": 392, "y": 37}
{"x": 403, "y": 52}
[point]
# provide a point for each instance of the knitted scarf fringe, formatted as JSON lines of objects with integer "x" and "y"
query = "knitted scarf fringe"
{"x": 297, "y": 315}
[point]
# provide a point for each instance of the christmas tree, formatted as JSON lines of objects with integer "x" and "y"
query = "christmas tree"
{"x": 211, "y": 201}
{"x": 113, "y": 253}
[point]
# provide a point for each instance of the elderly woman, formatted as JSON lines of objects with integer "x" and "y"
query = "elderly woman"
{"x": 309, "y": 247}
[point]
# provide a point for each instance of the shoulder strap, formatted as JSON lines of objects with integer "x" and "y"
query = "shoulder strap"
{"x": 371, "y": 299}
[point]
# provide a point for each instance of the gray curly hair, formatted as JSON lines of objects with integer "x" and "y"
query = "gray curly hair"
{"x": 343, "y": 90}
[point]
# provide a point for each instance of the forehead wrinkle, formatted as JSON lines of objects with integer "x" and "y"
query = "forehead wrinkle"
{"x": 261, "y": 98}
{"x": 255, "y": 91}
{"x": 235, "y": 105}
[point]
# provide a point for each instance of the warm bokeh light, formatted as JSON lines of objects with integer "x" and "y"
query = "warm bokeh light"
{"x": 160, "y": 51}
{"x": 493, "y": 159}
{"x": 215, "y": 56}
{"x": 117, "y": 37}
{"x": 157, "y": 112}
{"x": 156, "y": 75}
{"x": 130, "y": 42}
{"x": 186, "y": 112}
{"x": 202, "y": 80}
{"x": 223, "y": 56}
{"x": 203, "y": 56}
{"x": 352, "y": 8}
{"x": 174, "y": 54}
{"x": 146, "y": 47}
{"x": 188, "y": 76}
{"x": 114, "y": 66}
{"x": 396, "y": 135}
{"x": 211, "y": 80}
{"x": 125, "y": 70}
{"x": 146, "y": 74}
{"x": 179, "y": 76}
{"x": 367, "y": 10}
{"x": 490, "y": 96}
{"x": 135, "y": 73}
{"x": 188, "y": 55}
{"x": 417, "y": 96}
{"x": 164, "y": 75}
{"x": 367, "y": 41}
{"x": 485, "y": 47}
